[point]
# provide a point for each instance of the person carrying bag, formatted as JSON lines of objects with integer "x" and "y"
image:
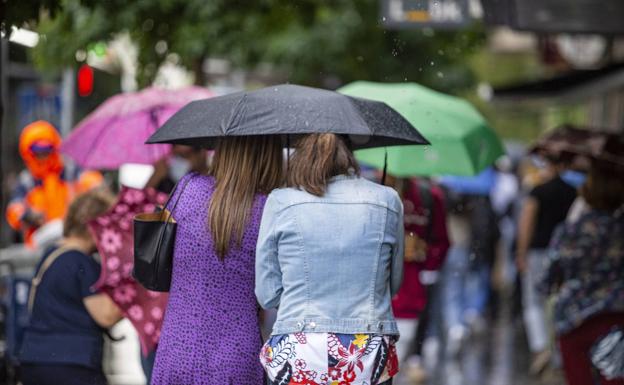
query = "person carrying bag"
{"x": 154, "y": 237}
{"x": 63, "y": 343}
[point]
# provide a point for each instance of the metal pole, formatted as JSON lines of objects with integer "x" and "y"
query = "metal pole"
{"x": 67, "y": 101}
{"x": 4, "y": 153}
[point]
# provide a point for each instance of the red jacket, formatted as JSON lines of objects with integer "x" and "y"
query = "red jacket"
{"x": 412, "y": 297}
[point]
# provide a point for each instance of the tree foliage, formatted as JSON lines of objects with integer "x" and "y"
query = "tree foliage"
{"x": 316, "y": 42}
{"x": 23, "y": 12}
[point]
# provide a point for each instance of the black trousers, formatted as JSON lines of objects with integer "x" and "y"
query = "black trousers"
{"x": 61, "y": 374}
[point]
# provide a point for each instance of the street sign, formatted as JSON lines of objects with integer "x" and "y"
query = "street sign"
{"x": 437, "y": 14}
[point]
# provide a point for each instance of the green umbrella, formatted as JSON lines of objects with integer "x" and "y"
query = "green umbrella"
{"x": 462, "y": 143}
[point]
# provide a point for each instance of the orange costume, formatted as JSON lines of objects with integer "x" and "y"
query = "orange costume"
{"x": 44, "y": 191}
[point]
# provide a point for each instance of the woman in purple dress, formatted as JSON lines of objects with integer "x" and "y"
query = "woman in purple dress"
{"x": 211, "y": 333}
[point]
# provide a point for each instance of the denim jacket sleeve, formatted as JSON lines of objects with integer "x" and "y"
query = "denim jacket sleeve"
{"x": 268, "y": 274}
{"x": 396, "y": 272}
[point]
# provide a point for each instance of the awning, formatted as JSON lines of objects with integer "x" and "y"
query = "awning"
{"x": 574, "y": 85}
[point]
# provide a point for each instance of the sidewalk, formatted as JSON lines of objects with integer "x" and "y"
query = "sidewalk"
{"x": 498, "y": 356}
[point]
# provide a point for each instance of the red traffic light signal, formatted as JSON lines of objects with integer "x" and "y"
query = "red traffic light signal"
{"x": 85, "y": 80}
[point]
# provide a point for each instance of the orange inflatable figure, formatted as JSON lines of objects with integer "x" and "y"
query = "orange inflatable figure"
{"x": 44, "y": 190}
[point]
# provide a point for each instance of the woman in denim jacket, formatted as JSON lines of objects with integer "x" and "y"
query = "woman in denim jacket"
{"x": 330, "y": 258}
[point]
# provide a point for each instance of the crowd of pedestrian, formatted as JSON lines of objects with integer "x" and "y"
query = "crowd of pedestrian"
{"x": 363, "y": 275}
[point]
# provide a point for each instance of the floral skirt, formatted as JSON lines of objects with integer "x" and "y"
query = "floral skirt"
{"x": 330, "y": 359}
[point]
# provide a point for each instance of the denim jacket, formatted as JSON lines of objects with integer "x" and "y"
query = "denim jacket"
{"x": 331, "y": 263}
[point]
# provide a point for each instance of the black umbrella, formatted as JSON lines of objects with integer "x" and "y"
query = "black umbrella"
{"x": 288, "y": 110}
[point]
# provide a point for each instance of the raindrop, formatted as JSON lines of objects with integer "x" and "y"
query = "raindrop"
{"x": 161, "y": 47}
{"x": 360, "y": 58}
{"x": 148, "y": 25}
{"x": 441, "y": 52}
{"x": 440, "y": 74}
{"x": 419, "y": 69}
{"x": 383, "y": 19}
{"x": 404, "y": 79}
{"x": 395, "y": 52}
{"x": 432, "y": 63}
{"x": 81, "y": 55}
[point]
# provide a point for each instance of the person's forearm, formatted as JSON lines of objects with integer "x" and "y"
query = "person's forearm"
{"x": 525, "y": 231}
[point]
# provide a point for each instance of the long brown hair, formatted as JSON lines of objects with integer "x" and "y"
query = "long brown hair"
{"x": 317, "y": 158}
{"x": 242, "y": 167}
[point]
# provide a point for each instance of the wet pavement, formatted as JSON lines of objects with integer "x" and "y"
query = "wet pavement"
{"x": 498, "y": 355}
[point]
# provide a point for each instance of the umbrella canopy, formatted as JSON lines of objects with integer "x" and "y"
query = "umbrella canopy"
{"x": 604, "y": 146}
{"x": 115, "y": 133}
{"x": 480, "y": 184}
{"x": 288, "y": 110}
{"x": 114, "y": 239}
{"x": 568, "y": 139}
{"x": 462, "y": 143}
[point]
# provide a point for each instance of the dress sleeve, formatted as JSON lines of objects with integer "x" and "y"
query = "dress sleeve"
{"x": 537, "y": 193}
{"x": 560, "y": 257}
{"x": 88, "y": 274}
{"x": 268, "y": 287}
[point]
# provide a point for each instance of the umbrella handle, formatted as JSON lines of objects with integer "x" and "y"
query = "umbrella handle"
{"x": 385, "y": 167}
{"x": 287, "y": 154}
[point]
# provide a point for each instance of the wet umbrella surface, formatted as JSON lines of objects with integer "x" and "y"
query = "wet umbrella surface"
{"x": 288, "y": 110}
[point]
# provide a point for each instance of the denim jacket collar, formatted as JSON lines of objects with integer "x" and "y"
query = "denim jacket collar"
{"x": 343, "y": 177}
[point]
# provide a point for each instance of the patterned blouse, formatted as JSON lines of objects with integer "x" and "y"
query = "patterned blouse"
{"x": 329, "y": 358}
{"x": 587, "y": 269}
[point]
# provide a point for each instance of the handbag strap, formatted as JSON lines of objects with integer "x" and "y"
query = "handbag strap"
{"x": 175, "y": 189}
{"x": 170, "y": 212}
{"x": 36, "y": 281}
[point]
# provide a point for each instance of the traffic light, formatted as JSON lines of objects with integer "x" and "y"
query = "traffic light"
{"x": 85, "y": 80}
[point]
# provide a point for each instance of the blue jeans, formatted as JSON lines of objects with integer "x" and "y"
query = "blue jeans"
{"x": 147, "y": 363}
{"x": 465, "y": 287}
{"x": 534, "y": 302}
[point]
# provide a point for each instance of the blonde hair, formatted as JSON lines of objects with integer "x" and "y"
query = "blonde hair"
{"x": 242, "y": 166}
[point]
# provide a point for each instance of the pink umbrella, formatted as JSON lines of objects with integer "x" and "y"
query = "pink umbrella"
{"x": 114, "y": 239}
{"x": 115, "y": 133}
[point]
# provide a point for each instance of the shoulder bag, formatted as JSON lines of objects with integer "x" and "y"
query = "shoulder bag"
{"x": 154, "y": 238}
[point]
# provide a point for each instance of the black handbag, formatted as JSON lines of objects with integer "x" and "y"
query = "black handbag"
{"x": 154, "y": 237}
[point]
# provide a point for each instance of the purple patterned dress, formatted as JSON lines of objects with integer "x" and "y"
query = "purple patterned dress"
{"x": 211, "y": 333}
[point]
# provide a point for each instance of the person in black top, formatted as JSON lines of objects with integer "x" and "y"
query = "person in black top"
{"x": 546, "y": 207}
{"x": 63, "y": 343}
